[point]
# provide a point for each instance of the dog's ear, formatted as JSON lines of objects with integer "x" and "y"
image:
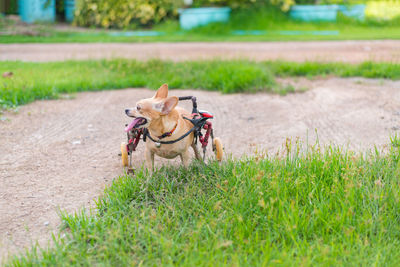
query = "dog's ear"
{"x": 162, "y": 92}
{"x": 169, "y": 104}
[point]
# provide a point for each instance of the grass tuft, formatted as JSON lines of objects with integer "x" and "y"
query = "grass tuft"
{"x": 32, "y": 81}
{"x": 367, "y": 69}
{"x": 311, "y": 208}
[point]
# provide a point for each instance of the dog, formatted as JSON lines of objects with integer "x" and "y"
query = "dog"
{"x": 164, "y": 121}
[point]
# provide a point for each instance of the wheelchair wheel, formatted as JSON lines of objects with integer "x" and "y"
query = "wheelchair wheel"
{"x": 218, "y": 148}
{"x": 124, "y": 154}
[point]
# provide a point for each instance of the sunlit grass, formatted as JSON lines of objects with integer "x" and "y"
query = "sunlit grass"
{"x": 46, "y": 80}
{"x": 308, "y": 208}
{"x": 32, "y": 81}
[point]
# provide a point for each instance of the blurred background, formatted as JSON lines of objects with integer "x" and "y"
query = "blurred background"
{"x": 197, "y": 20}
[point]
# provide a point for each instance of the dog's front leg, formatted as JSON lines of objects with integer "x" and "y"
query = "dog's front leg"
{"x": 149, "y": 159}
{"x": 185, "y": 157}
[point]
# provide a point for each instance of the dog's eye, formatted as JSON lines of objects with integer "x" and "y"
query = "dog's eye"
{"x": 138, "y": 108}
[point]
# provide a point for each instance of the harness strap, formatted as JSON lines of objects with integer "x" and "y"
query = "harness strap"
{"x": 147, "y": 134}
{"x": 197, "y": 125}
{"x": 168, "y": 133}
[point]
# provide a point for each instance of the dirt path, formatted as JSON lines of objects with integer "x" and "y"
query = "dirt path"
{"x": 61, "y": 153}
{"x": 344, "y": 51}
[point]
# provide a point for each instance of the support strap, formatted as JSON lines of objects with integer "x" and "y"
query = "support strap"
{"x": 197, "y": 125}
{"x": 147, "y": 134}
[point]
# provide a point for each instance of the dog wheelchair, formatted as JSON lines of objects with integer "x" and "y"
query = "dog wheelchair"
{"x": 200, "y": 120}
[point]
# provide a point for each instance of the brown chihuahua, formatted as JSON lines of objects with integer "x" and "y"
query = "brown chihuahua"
{"x": 164, "y": 120}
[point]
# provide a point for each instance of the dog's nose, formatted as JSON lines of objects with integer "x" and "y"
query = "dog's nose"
{"x": 127, "y": 111}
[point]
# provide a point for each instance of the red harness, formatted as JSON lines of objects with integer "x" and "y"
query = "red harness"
{"x": 168, "y": 133}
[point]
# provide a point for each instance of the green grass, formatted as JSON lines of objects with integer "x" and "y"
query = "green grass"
{"x": 33, "y": 81}
{"x": 311, "y": 69}
{"x": 264, "y": 19}
{"x": 310, "y": 208}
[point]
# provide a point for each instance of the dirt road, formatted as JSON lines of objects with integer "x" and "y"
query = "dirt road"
{"x": 343, "y": 51}
{"x": 62, "y": 153}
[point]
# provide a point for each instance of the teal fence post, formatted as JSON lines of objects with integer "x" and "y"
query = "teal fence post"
{"x": 37, "y": 10}
{"x": 69, "y": 7}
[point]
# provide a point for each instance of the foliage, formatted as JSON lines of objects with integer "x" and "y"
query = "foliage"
{"x": 60, "y": 7}
{"x": 383, "y": 10}
{"x": 131, "y": 13}
{"x": 310, "y": 208}
{"x": 284, "y": 4}
{"x": 331, "y": 2}
{"x": 11, "y": 6}
{"x": 270, "y": 21}
{"x": 124, "y": 13}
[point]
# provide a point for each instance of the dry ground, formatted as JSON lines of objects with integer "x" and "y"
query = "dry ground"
{"x": 327, "y": 51}
{"x": 62, "y": 153}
